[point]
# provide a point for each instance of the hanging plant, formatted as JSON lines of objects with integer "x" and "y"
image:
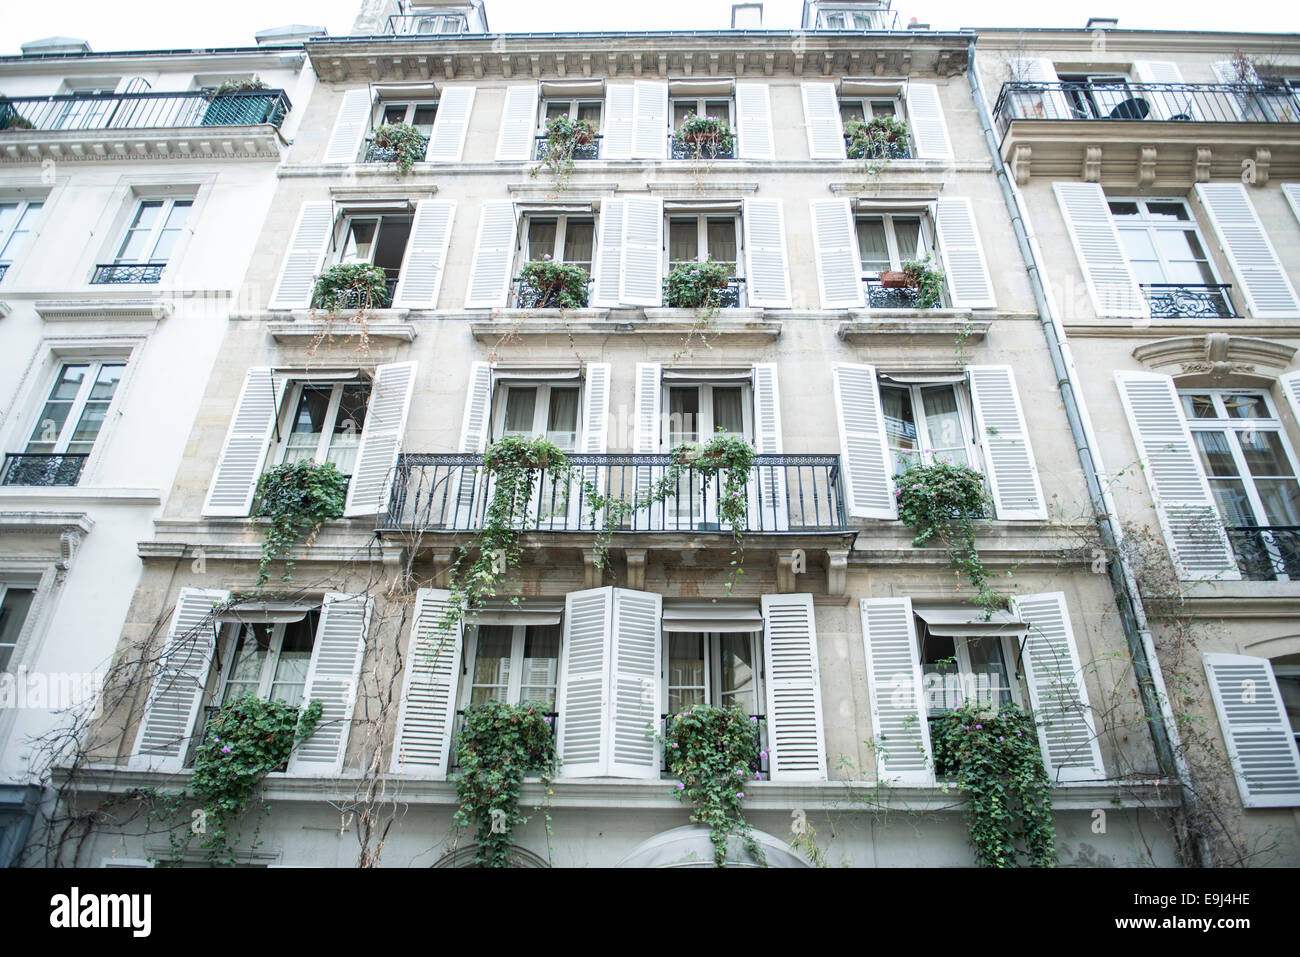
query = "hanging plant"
{"x": 926, "y": 280}
{"x": 705, "y": 137}
{"x": 240, "y": 86}
{"x": 351, "y": 286}
{"x": 879, "y": 138}
{"x": 398, "y": 143}
{"x": 697, "y": 285}
{"x": 547, "y": 284}
{"x": 298, "y": 498}
{"x": 564, "y": 138}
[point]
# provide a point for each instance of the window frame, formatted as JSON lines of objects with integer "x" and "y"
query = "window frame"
{"x": 23, "y": 208}
{"x": 409, "y": 105}
{"x": 852, "y": 18}
{"x": 1011, "y": 658}
{"x": 701, "y": 106}
{"x": 575, "y": 103}
{"x": 1080, "y": 92}
{"x": 965, "y": 413}
{"x": 926, "y": 235}
{"x": 337, "y": 255}
{"x": 1286, "y": 673}
{"x": 541, "y": 407}
{"x": 289, "y": 411}
{"x": 713, "y": 669}
{"x": 1152, "y": 227}
{"x": 266, "y": 680}
{"x": 10, "y": 583}
{"x": 168, "y": 204}
{"x": 702, "y": 243}
{"x": 561, "y": 234}
{"x": 514, "y": 688}
{"x": 746, "y": 387}
{"x": 866, "y": 104}
{"x": 78, "y": 407}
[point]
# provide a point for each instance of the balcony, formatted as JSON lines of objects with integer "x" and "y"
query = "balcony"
{"x": 127, "y": 273}
{"x": 581, "y": 151}
{"x": 1266, "y": 553}
{"x": 527, "y": 295}
{"x": 1189, "y": 301}
{"x": 680, "y": 149}
{"x": 143, "y": 111}
{"x": 423, "y": 25}
{"x": 387, "y": 154}
{"x": 899, "y": 149}
{"x": 42, "y": 470}
{"x": 730, "y": 296}
{"x": 888, "y": 297}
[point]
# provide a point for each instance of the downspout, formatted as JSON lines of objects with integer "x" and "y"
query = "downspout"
{"x": 1128, "y": 599}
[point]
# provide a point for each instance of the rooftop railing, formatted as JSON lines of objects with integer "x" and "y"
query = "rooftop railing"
{"x": 142, "y": 111}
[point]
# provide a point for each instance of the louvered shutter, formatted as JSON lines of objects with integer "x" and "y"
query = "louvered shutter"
{"x": 766, "y": 262}
{"x": 1183, "y": 501}
{"x": 381, "y": 439}
{"x": 422, "y": 743}
{"x": 969, "y": 283}
{"x": 450, "y": 124}
{"x": 929, "y": 129}
{"x": 796, "y": 739}
{"x": 773, "y": 504}
{"x": 177, "y": 689}
{"x": 650, "y": 127}
{"x": 867, "y": 466}
{"x": 619, "y": 122}
{"x": 518, "y": 123}
{"x": 1226, "y": 71}
{"x": 494, "y": 254}
{"x": 899, "y": 718}
{"x": 1008, "y": 455}
{"x": 332, "y": 680}
{"x": 595, "y": 432}
{"x": 583, "y": 702}
{"x": 643, "y": 241}
{"x": 303, "y": 259}
{"x": 1291, "y": 388}
{"x": 754, "y": 120}
{"x": 1246, "y": 244}
{"x": 649, "y": 425}
{"x": 1165, "y": 105}
{"x": 349, "y": 127}
{"x": 821, "y": 113}
{"x": 1292, "y": 191}
{"x": 609, "y": 255}
{"x": 1049, "y": 104}
{"x": 839, "y": 261}
{"x": 1106, "y": 270}
{"x": 426, "y": 256}
{"x": 636, "y": 654}
{"x": 473, "y": 441}
{"x": 234, "y": 481}
{"x": 1057, "y": 691}
{"x": 1256, "y": 729}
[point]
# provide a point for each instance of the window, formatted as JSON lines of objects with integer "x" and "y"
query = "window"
{"x": 148, "y": 244}
{"x": 15, "y": 603}
{"x": 967, "y": 668}
{"x": 715, "y": 236}
{"x": 712, "y": 668}
{"x": 525, "y": 410}
{"x": 1288, "y": 683}
{"x": 269, "y": 660}
{"x": 1164, "y": 249}
{"x": 90, "y": 110}
{"x": 928, "y": 424}
{"x": 682, "y": 108}
{"x": 846, "y": 20}
{"x": 515, "y": 664}
{"x": 1103, "y": 96}
{"x": 696, "y": 413}
{"x": 446, "y": 23}
{"x": 885, "y": 242}
{"x": 324, "y": 423}
{"x": 417, "y": 113}
{"x": 863, "y": 108}
{"x": 562, "y": 238}
{"x": 573, "y": 109}
{"x": 69, "y": 422}
{"x": 17, "y": 219}
{"x": 379, "y": 240}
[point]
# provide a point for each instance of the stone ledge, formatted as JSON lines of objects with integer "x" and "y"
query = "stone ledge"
{"x": 890, "y": 326}
{"x": 296, "y": 330}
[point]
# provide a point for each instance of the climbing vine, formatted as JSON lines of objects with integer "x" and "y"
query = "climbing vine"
{"x": 879, "y": 138}
{"x": 563, "y": 137}
{"x": 298, "y": 498}
{"x": 403, "y": 142}
{"x": 926, "y": 280}
{"x": 351, "y": 286}
{"x": 547, "y": 284}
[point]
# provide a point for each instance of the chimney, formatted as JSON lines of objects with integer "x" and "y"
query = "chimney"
{"x": 55, "y": 45}
{"x": 913, "y": 25}
{"x": 1102, "y": 23}
{"x": 746, "y": 16}
{"x": 292, "y": 34}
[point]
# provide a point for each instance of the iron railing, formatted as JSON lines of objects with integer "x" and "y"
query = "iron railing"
{"x": 200, "y": 729}
{"x": 21, "y": 468}
{"x": 388, "y": 154}
{"x": 1266, "y": 552}
{"x": 1187, "y": 300}
{"x": 758, "y": 764}
{"x": 680, "y": 149}
{"x": 4, "y": 268}
{"x": 115, "y": 273}
{"x": 580, "y": 151}
{"x": 730, "y": 296}
{"x": 451, "y": 493}
{"x": 356, "y": 298}
{"x": 428, "y": 24}
{"x": 530, "y": 296}
{"x": 901, "y": 297}
{"x": 452, "y": 761}
{"x": 143, "y": 111}
{"x": 899, "y": 149}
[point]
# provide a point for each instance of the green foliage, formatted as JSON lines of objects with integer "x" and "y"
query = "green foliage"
{"x": 705, "y": 135}
{"x": 351, "y": 286}
{"x": 927, "y": 280}
{"x": 407, "y": 143}
{"x": 298, "y": 498}
{"x": 240, "y": 86}
{"x": 696, "y": 285}
{"x": 563, "y": 135}
{"x": 995, "y": 758}
{"x": 548, "y": 284}
{"x": 878, "y": 138}
{"x": 713, "y": 752}
{"x": 498, "y": 744}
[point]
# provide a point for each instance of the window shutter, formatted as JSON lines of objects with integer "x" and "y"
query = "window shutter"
{"x": 303, "y": 260}
{"x": 1057, "y": 690}
{"x": 332, "y": 680}
{"x": 518, "y": 123}
{"x": 473, "y": 440}
{"x": 650, "y": 131}
{"x": 381, "y": 439}
{"x": 1183, "y": 501}
{"x": 868, "y": 468}
{"x": 1110, "y": 280}
{"x": 450, "y": 124}
{"x": 821, "y": 113}
{"x": 1053, "y": 105}
{"x": 609, "y": 255}
{"x": 1009, "y": 457}
{"x": 796, "y": 740}
{"x": 649, "y": 426}
{"x": 234, "y": 481}
{"x": 422, "y": 744}
{"x": 1256, "y": 730}
{"x": 899, "y": 718}
{"x": 1165, "y": 105}
{"x": 929, "y": 129}
{"x": 1291, "y": 388}
{"x": 1292, "y": 191}
{"x": 969, "y": 282}
{"x": 182, "y": 673}
{"x": 583, "y": 744}
{"x": 839, "y": 261}
{"x": 1226, "y": 71}
{"x": 494, "y": 253}
{"x": 1246, "y": 244}
{"x": 772, "y": 502}
{"x": 754, "y": 116}
{"x": 636, "y": 656}
{"x": 426, "y": 256}
{"x": 620, "y": 121}
{"x": 595, "y": 430}
{"x": 349, "y": 127}
{"x": 766, "y": 262}
{"x": 643, "y": 242}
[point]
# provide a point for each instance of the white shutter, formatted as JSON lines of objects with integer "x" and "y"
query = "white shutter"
{"x": 303, "y": 259}
{"x": 796, "y": 740}
{"x": 422, "y": 743}
{"x": 426, "y": 255}
{"x": 332, "y": 680}
{"x": 518, "y": 123}
{"x": 1051, "y": 104}
{"x": 1008, "y": 455}
{"x": 1165, "y": 105}
{"x": 754, "y": 119}
{"x": 867, "y": 466}
{"x": 636, "y": 655}
{"x": 609, "y": 255}
{"x": 774, "y": 509}
{"x": 349, "y": 127}
{"x": 595, "y": 430}
{"x": 1226, "y": 71}
{"x": 929, "y": 129}
{"x": 177, "y": 689}
{"x": 839, "y": 261}
{"x": 1057, "y": 690}
{"x": 821, "y": 113}
{"x": 619, "y": 122}
{"x": 1246, "y": 244}
{"x": 583, "y": 701}
{"x": 450, "y": 124}
{"x": 234, "y": 481}
{"x": 767, "y": 266}
{"x": 1106, "y": 270}
{"x": 494, "y": 254}
{"x": 649, "y": 425}
{"x": 650, "y": 127}
{"x": 1261, "y": 745}
{"x": 473, "y": 441}
{"x": 899, "y": 718}
{"x": 1292, "y": 191}
{"x": 643, "y": 242}
{"x": 1291, "y": 388}
{"x": 381, "y": 439}
{"x": 1183, "y": 501}
{"x": 967, "y": 271}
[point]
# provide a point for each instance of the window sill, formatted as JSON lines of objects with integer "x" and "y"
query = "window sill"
{"x": 83, "y": 494}
{"x": 752, "y": 324}
{"x": 913, "y": 324}
{"x": 304, "y": 328}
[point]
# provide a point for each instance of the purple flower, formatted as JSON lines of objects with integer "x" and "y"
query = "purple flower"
{"x": 225, "y": 749}
{"x": 740, "y": 794}
{"x": 676, "y": 745}
{"x": 1020, "y": 734}
{"x": 681, "y": 787}
{"x": 758, "y": 775}
{"x": 763, "y": 755}
{"x": 979, "y": 727}
{"x": 546, "y": 718}
{"x": 1000, "y": 738}
{"x": 753, "y": 721}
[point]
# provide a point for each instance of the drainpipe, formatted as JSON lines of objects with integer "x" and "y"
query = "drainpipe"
{"x": 1128, "y": 599}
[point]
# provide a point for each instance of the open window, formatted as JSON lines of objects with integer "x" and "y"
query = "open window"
{"x": 1103, "y": 96}
{"x": 378, "y": 238}
{"x": 558, "y": 234}
{"x": 323, "y": 421}
{"x": 698, "y": 410}
{"x": 886, "y": 241}
{"x": 268, "y": 660}
{"x": 15, "y": 603}
{"x": 577, "y": 103}
{"x": 928, "y": 421}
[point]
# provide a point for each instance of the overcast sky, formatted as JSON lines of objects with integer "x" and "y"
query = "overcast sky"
{"x": 167, "y": 24}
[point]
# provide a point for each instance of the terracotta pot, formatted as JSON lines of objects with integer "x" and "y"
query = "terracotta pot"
{"x": 894, "y": 280}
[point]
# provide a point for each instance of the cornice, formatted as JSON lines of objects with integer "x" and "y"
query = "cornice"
{"x": 205, "y": 144}
{"x": 1217, "y": 354}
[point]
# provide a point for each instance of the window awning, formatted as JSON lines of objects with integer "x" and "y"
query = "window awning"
{"x": 922, "y": 378}
{"x": 539, "y": 373}
{"x": 963, "y": 621}
{"x": 574, "y": 89}
{"x": 318, "y": 375}
{"x": 265, "y": 612}
{"x": 407, "y": 91}
{"x": 714, "y": 86}
{"x": 708, "y": 375}
{"x": 525, "y": 613}
{"x": 871, "y": 86}
{"x": 701, "y": 206}
{"x": 711, "y": 616}
{"x": 553, "y": 209}
{"x": 916, "y": 204}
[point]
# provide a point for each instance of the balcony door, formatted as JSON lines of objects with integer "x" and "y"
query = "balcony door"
{"x": 1104, "y": 97}
{"x": 697, "y": 412}
{"x": 1169, "y": 259}
{"x": 694, "y": 238}
{"x": 378, "y": 240}
{"x": 527, "y": 410}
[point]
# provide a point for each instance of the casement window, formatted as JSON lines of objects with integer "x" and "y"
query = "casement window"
{"x": 1168, "y": 257}
{"x": 718, "y": 668}
{"x": 513, "y": 664}
{"x": 928, "y": 423}
{"x": 1103, "y": 96}
{"x": 525, "y": 409}
{"x": 417, "y": 113}
{"x": 446, "y": 23}
{"x": 886, "y": 241}
{"x": 968, "y": 661}
{"x": 828, "y": 106}
{"x": 1288, "y": 685}
{"x": 697, "y": 237}
{"x": 720, "y": 108}
{"x": 324, "y": 422}
{"x": 574, "y": 109}
{"x": 1258, "y": 705}
{"x": 863, "y": 108}
{"x": 268, "y": 660}
{"x": 441, "y": 114}
{"x": 561, "y": 237}
{"x": 379, "y": 240}
{"x": 150, "y": 239}
{"x": 847, "y": 20}
{"x": 15, "y": 603}
{"x": 698, "y": 412}
{"x": 17, "y": 221}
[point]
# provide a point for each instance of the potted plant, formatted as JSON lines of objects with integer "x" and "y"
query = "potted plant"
{"x": 398, "y": 143}
{"x": 228, "y": 107}
{"x": 706, "y": 135}
{"x": 351, "y": 286}
{"x": 895, "y": 279}
{"x": 881, "y": 137}
{"x": 926, "y": 280}
{"x": 696, "y": 285}
{"x": 547, "y": 284}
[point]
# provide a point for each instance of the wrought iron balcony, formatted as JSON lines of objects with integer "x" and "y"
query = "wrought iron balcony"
{"x": 1190, "y": 301}
{"x": 388, "y": 154}
{"x": 125, "y": 273}
{"x": 428, "y": 24}
{"x": 529, "y": 296}
{"x": 899, "y": 149}
{"x": 1266, "y": 552}
{"x": 730, "y": 296}
{"x": 680, "y": 149}
{"x": 143, "y": 111}
{"x": 21, "y": 468}
{"x": 581, "y": 151}
{"x": 758, "y": 764}
{"x": 451, "y": 493}
{"x": 888, "y": 297}
{"x": 356, "y": 298}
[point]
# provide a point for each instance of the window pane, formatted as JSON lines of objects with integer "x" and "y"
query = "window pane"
{"x": 685, "y": 671}
{"x": 146, "y": 217}
{"x": 1167, "y": 211}
{"x": 520, "y": 406}
{"x": 722, "y": 240}
{"x": 556, "y": 109}
{"x": 179, "y": 214}
{"x": 900, "y": 425}
{"x": 1123, "y": 210}
{"x": 1234, "y": 506}
{"x": 360, "y": 241}
{"x": 873, "y": 246}
{"x": 683, "y": 415}
{"x": 541, "y": 665}
{"x": 1137, "y": 243}
{"x": 1216, "y": 453}
{"x": 1265, "y": 455}
{"x": 683, "y": 240}
{"x": 737, "y": 675}
{"x": 681, "y": 110}
{"x": 728, "y": 411}
{"x": 345, "y": 435}
{"x": 579, "y": 240}
{"x": 590, "y": 112}
{"x": 395, "y": 113}
{"x": 718, "y": 109}
{"x": 992, "y": 682}
{"x": 939, "y": 672}
{"x": 13, "y": 613}
{"x": 1281, "y": 498}
{"x": 541, "y": 239}
{"x": 290, "y": 679}
{"x": 1199, "y": 406}
{"x": 851, "y": 110}
{"x": 55, "y": 414}
{"x": 881, "y": 108}
{"x": 562, "y": 418}
{"x": 1245, "y": 406}
{"x": 251, "y": 652}
{"x": 492, "y": 663}
{"x": 8, "y": 216}
{"x": 424, "y": 117}
{"x": 394, "y": 231}
{"x": 943, "y": 424}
